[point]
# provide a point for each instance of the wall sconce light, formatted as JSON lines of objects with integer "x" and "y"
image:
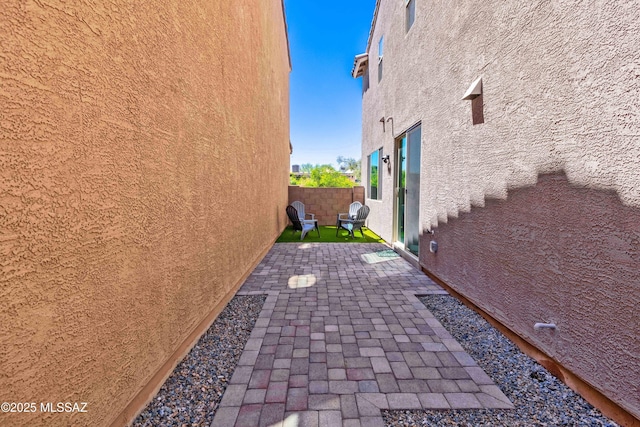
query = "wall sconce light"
{"x": 387, "y": 161}
{"x": 474, "y": 94}
{"x": 474, "y": 90}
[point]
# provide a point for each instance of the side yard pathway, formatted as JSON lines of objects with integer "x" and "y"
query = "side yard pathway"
{"x": 339, "y": 339}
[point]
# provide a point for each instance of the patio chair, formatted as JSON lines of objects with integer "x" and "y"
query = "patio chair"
{"x": 302, "y": 214}
{"x": 303, "y": 226}
{"x": 356, "y": 223}
{"x": 353, "y": 211}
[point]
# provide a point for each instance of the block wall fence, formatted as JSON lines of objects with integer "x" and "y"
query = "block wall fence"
{"x": 325, "y": 203}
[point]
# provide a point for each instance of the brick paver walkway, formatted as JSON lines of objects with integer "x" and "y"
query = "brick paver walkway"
{"x": 339, "y": 339}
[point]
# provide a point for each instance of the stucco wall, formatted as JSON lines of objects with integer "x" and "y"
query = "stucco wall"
{"x": 144, "y": 156}
{"x": 326, "y": 203}
{"x": 558, "y": 253}
{"x": 560, "y": 85}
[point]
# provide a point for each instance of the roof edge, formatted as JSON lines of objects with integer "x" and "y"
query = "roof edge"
{"x": 286, "y": 33}
{"x": 358, "y": 65}
{"x": 373, "y": 25}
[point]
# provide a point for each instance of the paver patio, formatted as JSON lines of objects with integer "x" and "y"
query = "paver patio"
{"x": 339, "y": 339}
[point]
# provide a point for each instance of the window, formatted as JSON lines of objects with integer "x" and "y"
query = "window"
{"x": 375, "y": 181}
{"x": 380, "y": 50}
{"x": 410, "y": 13}
{"x": 365, "y": 80}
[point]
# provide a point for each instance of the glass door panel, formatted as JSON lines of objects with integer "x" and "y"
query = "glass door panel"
{"x": 401, "y": 154}
{"x": 412, "y": 192}
{"x": 407, "y": 209}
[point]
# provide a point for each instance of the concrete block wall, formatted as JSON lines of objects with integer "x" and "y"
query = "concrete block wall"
{"x": 326, "y": 203}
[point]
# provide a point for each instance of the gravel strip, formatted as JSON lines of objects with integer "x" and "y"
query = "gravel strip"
{"x": 540, "y": 399}
{"x": 191, "y": 395}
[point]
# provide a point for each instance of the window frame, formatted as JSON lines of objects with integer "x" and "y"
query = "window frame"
{"x": 380, "y": 57}
{"x": 370, "y": 172}
{"x": 410, "y": 12}
{"x": 365, "y": 79}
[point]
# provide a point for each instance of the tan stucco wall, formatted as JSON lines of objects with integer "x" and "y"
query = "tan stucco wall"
{"x": 560, "y": 84}
{"x": 144, "y": 157}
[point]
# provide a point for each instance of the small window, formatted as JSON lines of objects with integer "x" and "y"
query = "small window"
{"x": 365, "y": 80}
{"x": 380, "y": 54}
{"x": 410, "y": 13}
{"x": 375, "y": 180}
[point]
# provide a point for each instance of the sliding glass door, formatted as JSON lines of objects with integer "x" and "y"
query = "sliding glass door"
{"x": 407, "y": 206}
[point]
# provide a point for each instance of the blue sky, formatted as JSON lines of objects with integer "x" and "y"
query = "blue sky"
{"x": 326, "y": 102}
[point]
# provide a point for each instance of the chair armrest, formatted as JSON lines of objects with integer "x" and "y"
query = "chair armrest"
{"x": 311, "y": 215}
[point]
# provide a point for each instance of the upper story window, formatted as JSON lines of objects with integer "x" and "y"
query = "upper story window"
{"x": 365, "y": 80}
{"x": 380, "y": 54}
{"x": 410, "y": 13}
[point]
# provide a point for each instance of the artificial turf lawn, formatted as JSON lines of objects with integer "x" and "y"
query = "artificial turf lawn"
{"x": 328, "y": 235}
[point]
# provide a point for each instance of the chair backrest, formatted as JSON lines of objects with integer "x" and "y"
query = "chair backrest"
{"x": 353, "y": 209}
{"x": 299, "y": 206}
{"x": 362, "y": 214}
{"x": 292, "y": 213}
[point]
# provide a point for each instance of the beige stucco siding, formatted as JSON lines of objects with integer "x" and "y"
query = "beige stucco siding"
{"x": 144, "y": 152}
{"x": 560, "y": 89}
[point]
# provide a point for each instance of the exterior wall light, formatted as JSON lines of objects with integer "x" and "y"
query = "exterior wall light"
{"x": 474, "y": 94}
{"x": 474, "y": 90}
{"x": 387, "y": 161}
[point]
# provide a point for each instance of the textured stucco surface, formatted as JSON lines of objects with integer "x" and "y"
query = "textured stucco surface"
{"x": 560, "y": 92}
{"x": 144, "y": 153}
{"x": 558, "y": 253}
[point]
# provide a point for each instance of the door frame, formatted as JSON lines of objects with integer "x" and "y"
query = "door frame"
{"x": 397, "y": 168}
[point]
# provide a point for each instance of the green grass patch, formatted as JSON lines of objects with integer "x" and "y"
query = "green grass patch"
{"x": 328, "y": 235}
